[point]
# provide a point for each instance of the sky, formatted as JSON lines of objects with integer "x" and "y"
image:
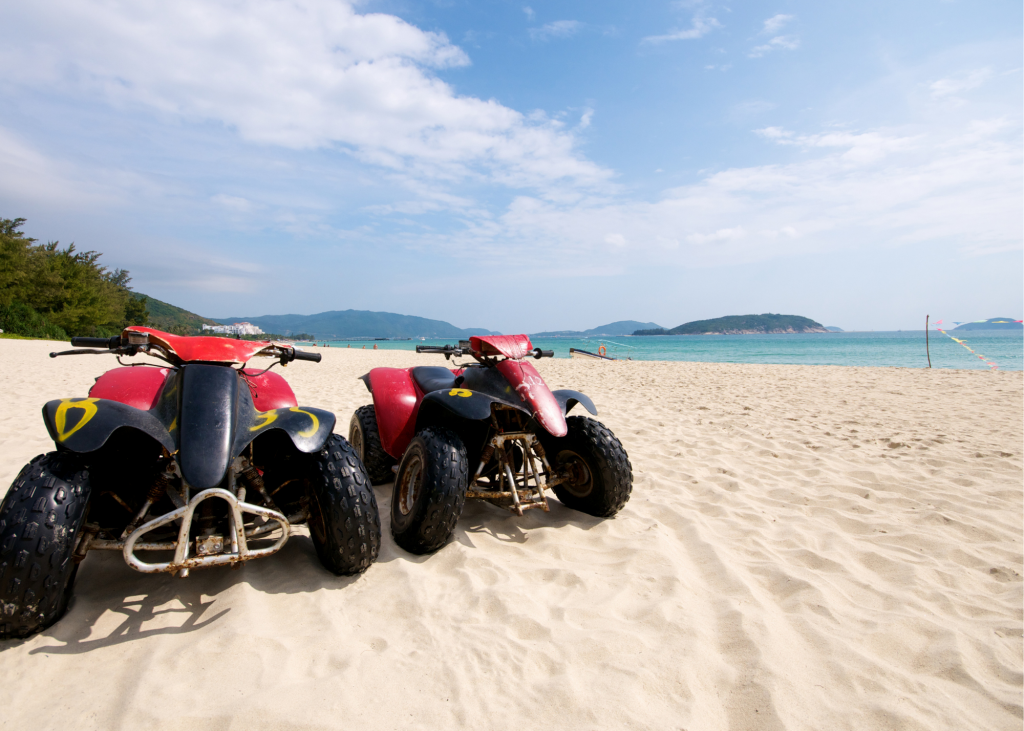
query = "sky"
{"x": 527, "y": 167}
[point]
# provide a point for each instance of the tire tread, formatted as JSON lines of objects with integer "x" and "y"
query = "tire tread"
{"x": 446, "y": 481}
{"x": 610, "y": 461}
{"x": 378, "y": 463}
{"x": 350, "y": 517}
{"x": 40, "y": 518}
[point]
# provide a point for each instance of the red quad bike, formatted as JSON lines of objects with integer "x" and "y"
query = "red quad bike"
{"x": 200, "y": 463}
{"x": 492, "y": 430}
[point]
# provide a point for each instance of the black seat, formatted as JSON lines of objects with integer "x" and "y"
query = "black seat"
{"x": 433, "y": 378}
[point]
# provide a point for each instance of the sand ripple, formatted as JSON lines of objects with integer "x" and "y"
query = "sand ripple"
{"x": 806, "y": 548}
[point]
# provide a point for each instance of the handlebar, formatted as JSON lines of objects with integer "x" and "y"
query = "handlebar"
{"x": 448, "y": 351}
{"x": 303, "y": 355}
{"x": 109, "y": 343}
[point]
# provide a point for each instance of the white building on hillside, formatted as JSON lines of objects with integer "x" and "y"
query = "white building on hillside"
{"x": 239, "y": 328}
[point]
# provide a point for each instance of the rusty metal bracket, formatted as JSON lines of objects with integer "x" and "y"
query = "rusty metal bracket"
{"x": 524, "y": 487}
{"x": 238, "y": 552}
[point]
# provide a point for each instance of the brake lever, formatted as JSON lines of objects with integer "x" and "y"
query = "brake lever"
{"x": 123, "y": 350}
{"x": 83, "y": 351}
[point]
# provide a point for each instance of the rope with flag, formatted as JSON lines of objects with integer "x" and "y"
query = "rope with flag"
{"x": 983, "y": 359}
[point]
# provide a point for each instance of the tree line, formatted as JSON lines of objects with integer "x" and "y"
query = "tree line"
{"x": 52, "y": 292}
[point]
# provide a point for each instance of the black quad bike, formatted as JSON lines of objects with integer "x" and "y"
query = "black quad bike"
{"x": 200, "y": 463}
{"x": 490, "y": 429}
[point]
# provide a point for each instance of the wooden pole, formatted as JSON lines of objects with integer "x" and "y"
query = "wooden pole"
{"x": 926, "y": 348}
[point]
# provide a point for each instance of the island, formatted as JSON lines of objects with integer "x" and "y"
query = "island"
{"x": 993, "y": 323}
{"x": 612, "y": 329}
{"x": 743, "y": 325}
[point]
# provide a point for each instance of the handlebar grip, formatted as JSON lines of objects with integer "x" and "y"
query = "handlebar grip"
{"x": 547, "y": 354}
{"x": 110, "y": 343}
{"x": 431, "y": 349}
{"x": 303, "y": 355}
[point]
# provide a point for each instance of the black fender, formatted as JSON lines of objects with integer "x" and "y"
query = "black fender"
{"x": 84, "y": 424}
{"x": 205, "y": 415}
{"x": 567, "y": 398}
{"x": 461, "y": 403}
{"x": 308, "y": 428}
{"x": 219, "y": 420}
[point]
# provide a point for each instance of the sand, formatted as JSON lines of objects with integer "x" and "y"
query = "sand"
{"x": 806, "y": 548}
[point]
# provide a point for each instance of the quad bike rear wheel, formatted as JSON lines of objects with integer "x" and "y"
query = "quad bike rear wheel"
{"x": 40, "y": 520}
{"x": 365, "y": 439}
{"x": 430, "y": 490}
{"x": 601, "y": 475}
{"x": 344, "y": 522}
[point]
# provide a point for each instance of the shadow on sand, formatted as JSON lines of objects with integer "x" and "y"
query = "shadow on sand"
{"x": 482, "y": 517}
{"x": 160, "y": 604}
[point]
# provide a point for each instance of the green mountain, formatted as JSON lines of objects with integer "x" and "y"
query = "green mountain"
{"x": 993, "y": 323}
{"x": 339, "y": 325}
{"x": 169, "y": 318}
{"x": 743, "y": 325}
{"x": 619, "y": 328}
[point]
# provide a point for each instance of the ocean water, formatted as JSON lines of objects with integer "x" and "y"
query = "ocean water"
{"x": 905, "y": 349}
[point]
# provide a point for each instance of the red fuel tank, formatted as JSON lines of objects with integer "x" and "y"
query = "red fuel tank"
{"x": 139, "y": 386}
{"x": 269, "y": 391}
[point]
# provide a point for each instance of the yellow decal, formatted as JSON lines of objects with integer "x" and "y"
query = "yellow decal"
{"x": 87, "y": 405}
{"x": 316, "y": 422}
{"x": 269, "y": 417}
{"x": 464, "y": 392}
{"x": 174, "y": 425}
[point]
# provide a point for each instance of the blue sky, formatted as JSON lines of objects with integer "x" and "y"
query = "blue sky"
{"x": 525, "y": 167}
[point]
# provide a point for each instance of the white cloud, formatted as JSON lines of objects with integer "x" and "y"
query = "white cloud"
{"x": 557, "y": 29}
{"x": 860, "y": 190}
{"x": 530, "y": 15}
{"x": 699, "y": 27}
{"x": 233, "y": 202}
{"x": 29, "y": 177}
{"x": 788, "y": 43}
{"x": 303, "y": 74}
{"x": 775, "y": 23}
{"x": 948, "y": 87}
{"x": 859, "y": 147}
{"x": 722, "y": 234}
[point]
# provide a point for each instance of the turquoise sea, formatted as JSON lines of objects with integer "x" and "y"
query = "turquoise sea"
{"x": 905, "y": 349}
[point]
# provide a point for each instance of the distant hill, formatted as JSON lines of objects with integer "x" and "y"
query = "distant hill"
{"x": 169, "y": 318}
{"x": 993, "y": 323}
{"x": 341, "y": 324}
{"x": 743, "y": 325}
{"x": 834, "y": 329}
{"x": 621, "y": 327}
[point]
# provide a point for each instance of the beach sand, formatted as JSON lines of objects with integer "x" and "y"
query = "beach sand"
{"x": 806, "y": 547}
